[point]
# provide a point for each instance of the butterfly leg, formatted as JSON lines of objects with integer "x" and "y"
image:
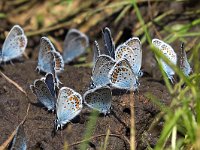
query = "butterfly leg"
{"x": 140, "y": 73}
{"x": 57, "y": 81}
{"x": 37, "y": 69}
{"x": 173, "y": 81}
{"x": 11, "y": 62}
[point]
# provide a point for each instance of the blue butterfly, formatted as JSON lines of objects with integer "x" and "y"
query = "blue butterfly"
{"x": 14, "y": 45}
{"x": 68, "y": 106}
{"x": 19, "y": 140}
{"x": 109, "y": 47}
{"x": 122, "y": 76}
{"x": 100, "y": 71}
{"x": 49, "y": 58}
{"x": 44, "y": 89}
{"x": 184, "y": 64}
{"x": 75, "y": 44}
{"x": 132, "y": 51}
{"x": 168, "y": 51}
{"x": 96, "y": 51}
{"x": 99, "y": 99}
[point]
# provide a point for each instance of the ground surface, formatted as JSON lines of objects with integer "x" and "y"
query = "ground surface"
{"x": 39, "y": 123}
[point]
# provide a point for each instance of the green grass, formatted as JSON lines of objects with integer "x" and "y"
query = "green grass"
{"x": 89, "y": 129}
{"x": 182, "y": 117}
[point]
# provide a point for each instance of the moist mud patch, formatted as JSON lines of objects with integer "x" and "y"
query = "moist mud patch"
{"x": 39, "y": 125}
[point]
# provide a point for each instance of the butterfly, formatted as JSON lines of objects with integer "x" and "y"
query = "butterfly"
{"x": 44, "y": 90}
{"x": 96, "y": 51}
{"x": 132, "y": 51}
{"x": 184, "y": 64}
{"x": 49, "y": 58}
{"x": 99, "y": 99}
{"x": 19, "y": 140}
{"x": 100, "y": 71}
{"x": 68, "y": 106}
{"x": 14, "y": 44}
{"x": 75, "y": 44}
{"x": 122, "y": 76}
{"x": 109, "y": 47}
{"x": 168, "y": 51}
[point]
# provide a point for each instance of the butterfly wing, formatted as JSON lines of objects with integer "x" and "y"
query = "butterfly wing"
{"x": 184, "y": 64}
{"x": 45, "y": 56}
{"x": 50, "y": 82}
{"x": 14, "y": 45}
{"x": 99, "y": 99}
{"x": 15, "y": 48}
{"x": 96, "y": 51}
{"x": 101, "y": 69}
{"x": 121, "y": 76}
{"x": 74, "y": 47}
{"x": 14, "y": 32}
{"x": 108, "y": 43}
{"x": 59, "y": 62}
{"x": 19, "y": 140}
{"x": 43, "y": 94}
{"x": 168, "y": 51}
{"x": 125, "y": 51}
{"x": 69, "y": 105}
{"x": 136, "y": 63}
{"x": 48, "y": 63}
{"x": 72, "y": 34}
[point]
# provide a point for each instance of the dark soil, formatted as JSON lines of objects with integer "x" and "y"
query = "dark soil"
{"x": 40, "y": 123}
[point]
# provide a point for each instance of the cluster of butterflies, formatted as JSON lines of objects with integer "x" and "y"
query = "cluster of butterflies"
{"x": 168, "y": 51}
{"x": 113, "y": 68}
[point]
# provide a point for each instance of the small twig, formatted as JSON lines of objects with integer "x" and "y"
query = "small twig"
{"x": 6, "y": 143}
{"x": 27, "y": 110}
{"x": 97, "y": 136}
{"x": 21, "y": 89}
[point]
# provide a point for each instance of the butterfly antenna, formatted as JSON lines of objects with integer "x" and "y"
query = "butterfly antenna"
{"x": 182, "y": 46}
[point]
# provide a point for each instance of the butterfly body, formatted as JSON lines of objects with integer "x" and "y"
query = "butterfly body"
{"x": 45, "y": 91}
{"x": 96, "y": 51}
{"x": 14, "y": 44}
{"x": 68, "y": 106}
{"x": 101, "y": 69}
{"x": 99, "y": 99}
{"x": 122, "y": 77}
{"x": 132, "y": 51}
{"x": 75, "y": 44}
{"x": 168, "y": 51}
{"x": 49, "y": 58}
{"x": 184, "y": 64}
{"x": 109, "y": 47}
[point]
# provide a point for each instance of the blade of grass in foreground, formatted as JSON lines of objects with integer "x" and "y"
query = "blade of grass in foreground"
{"x": 132, "y": 120}
{"x": 106, "y": 140}
{"x": 89, "y": 129}
{"x": 168, "y": 129}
